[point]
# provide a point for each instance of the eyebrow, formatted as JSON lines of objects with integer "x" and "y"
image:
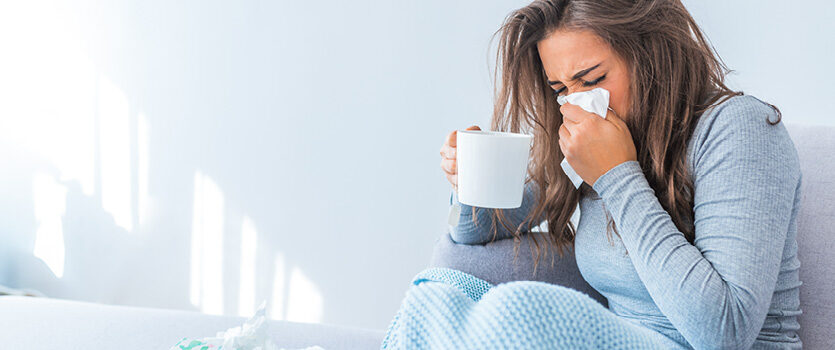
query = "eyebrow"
{"x": 578, "y": 75}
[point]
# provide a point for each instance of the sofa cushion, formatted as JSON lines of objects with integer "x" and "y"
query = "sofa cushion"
{"x": 493, "y": 262}
{"x": 816, "y": 233}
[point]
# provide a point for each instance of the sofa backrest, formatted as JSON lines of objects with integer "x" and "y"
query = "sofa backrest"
{"x": 816, "y": 233}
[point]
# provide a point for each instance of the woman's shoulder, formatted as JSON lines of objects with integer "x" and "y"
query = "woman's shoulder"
{"x": 745, "y": 125}
{"x": 737, "y": 114}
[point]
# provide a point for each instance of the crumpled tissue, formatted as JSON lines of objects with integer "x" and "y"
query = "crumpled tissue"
{"x": 252, "y": 335}
{"x": 595, "y": 101}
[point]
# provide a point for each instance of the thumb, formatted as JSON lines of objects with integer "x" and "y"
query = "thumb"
{"x": 614, "y": 117}
{"x": 473, "y": 127}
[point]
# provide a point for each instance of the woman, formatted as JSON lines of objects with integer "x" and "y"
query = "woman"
{"x": 700, "y": 184}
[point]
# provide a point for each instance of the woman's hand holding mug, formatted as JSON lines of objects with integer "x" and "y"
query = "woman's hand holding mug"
{"x": 448, "y": 158}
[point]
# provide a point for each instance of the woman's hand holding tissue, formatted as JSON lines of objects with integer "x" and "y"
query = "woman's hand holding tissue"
{"x": 593, "y": 145}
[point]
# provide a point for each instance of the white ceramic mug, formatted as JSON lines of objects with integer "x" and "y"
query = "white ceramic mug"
{"x": 492, "y": 167}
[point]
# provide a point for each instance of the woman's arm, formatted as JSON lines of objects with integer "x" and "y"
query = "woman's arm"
{"x": 480, "y": 231}
{"x": 716, "y": 292}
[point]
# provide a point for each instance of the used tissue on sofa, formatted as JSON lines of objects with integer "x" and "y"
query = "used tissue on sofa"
{"x": 595, "y": 101}
{"x": 252, "y": 335}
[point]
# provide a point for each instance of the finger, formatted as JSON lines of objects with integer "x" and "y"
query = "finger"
{"x": 567, "y": 120}
{"x": 562, "y": 144}
{"x": 448, "y": 152}
{"x": 615, "y": 118}
{"x": 453, "y": 179}
{"x": 474, "y": 127}
{"x": 449, "y": 166}
{"x": 575, "y": 113}
{"x": 570, "y": 127}
{"x": 564, "y": 132}
{"x": 450, "y": 139}
{"x": 568, "y": 112}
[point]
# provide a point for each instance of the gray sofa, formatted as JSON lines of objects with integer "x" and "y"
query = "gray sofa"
{"x": 815, "y": 236}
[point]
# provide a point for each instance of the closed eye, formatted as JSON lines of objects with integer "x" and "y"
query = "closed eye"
{"x": 584, "y": 83}
{"x": 595, "y": 81}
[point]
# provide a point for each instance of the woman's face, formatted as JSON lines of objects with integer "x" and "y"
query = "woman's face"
{"x": 580, "y": 61}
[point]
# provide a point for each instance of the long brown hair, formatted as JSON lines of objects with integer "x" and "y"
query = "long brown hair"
{"x": 675, "y": 76}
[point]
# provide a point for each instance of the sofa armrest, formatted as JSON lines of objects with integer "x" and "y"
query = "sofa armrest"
{"x": 493, "y": 262}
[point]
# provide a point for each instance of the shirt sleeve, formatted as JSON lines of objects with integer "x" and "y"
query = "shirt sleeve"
{"x": 478, "y": 229}
{"x": 746, "y": 175}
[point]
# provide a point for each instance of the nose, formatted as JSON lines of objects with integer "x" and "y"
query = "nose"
{"x": 577, "y": 88}
{"x": 570, "y": 90}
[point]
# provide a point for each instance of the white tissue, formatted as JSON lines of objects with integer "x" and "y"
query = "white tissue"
{"x": 252, "y": 335}
{"x": 595, "y": 101}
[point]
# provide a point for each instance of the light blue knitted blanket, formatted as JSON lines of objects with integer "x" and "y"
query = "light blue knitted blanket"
{"x": 450, "y": 309}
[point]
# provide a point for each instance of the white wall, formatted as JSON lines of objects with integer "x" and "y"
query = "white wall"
{"x": 781, "y": 51}
{"x": 165, "y": 153}
{"x": 209, "y": 155}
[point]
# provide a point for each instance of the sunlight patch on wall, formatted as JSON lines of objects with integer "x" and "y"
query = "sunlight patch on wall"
{"x": 143, "y": 195}
{"x": 114, "y": 152}
{"x": 246, "y": 294}
{"x": 207, "y": 246}
{"x": 276, "y": 310}
{"x": 304, "y": 301}
{"x": 50, "y": 203}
